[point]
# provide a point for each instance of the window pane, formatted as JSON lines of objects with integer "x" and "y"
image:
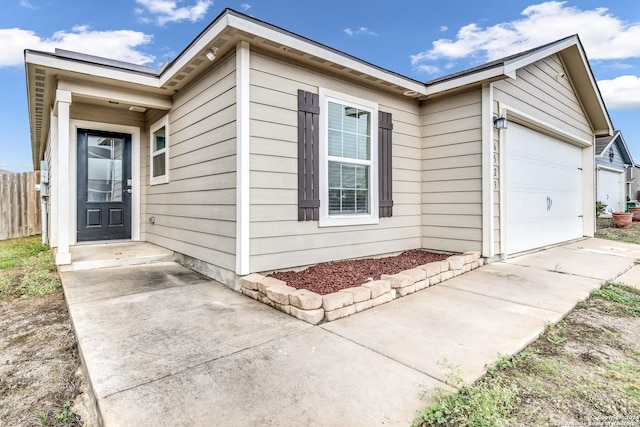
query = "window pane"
{"x": 159, "y": 165}
{"x": 335, "y": 143}
{"x": 349, "y": 132}
{"x": 348, "y": 189}
{"x": 104, "y": 169}
{"x": 159, "y": 139}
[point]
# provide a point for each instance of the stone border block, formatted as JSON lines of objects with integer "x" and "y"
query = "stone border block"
{"x": 268, "y": 282}
{"x": 397, "y": 280}
{"x": 280, "y": 293}
{"x": 250, "y": 293}
{"x": 377, "y": 287}
{"x": 340, "y": 313}
{"x": 406, "y": 290}
{"x": 456, "y": 262}
{"x": 364, "y": 305}
{"x": 384, "y": 298}
{"x": 305, "y": 299}
{"x": 336, "y": 300}
{"x": 431, "y": 268}
{"x": 251, "y": 281}
{"x": 310, "y": 316}
{"x": 359, "y": 293}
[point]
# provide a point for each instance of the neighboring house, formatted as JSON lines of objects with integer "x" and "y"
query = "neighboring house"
{"x": 614, "y": 172}
{"x": 634, "y": 192}
{"x": 257, "y": 149}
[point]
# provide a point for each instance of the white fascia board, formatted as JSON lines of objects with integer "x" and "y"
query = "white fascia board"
{"x": 46, "y": 60}
{"x": 511, "y": 66}
{"x": 323, "y": 53}
{"x": 116, "y": 94}
{"x": 474, "y": 78}
{"x": 193, "y": 50}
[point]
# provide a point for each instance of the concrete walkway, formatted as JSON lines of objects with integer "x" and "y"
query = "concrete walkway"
{"x": 164, "y": 346}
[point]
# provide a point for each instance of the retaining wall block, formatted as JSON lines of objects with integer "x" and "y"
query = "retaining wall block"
{"x": 475, "y": 265}
{"x": 359, "y": 293}
{"x": 285, "y": 308}
{"x": 406, "y": 290}
{"x": 310, "y": 316}
{"x": 415, "y": 274}
{"x": 456, "y": 262}
{"x": 446, "y": 275}
{"x": 305, "y": 299}
{"x": 435, "y": 279}
{"x": 472, "y": 256}
{"x": 280, "y": 293}
{"x": 431, "y": 268}
{"x": 268, "y": 282}
{"x": 336, "y": 300}
{"x": 339, "y": 313}
{"x": 377, "y": 287}
{"x": 384, "y": 298}
{"x": 422, "y": 284}
{"x": 364, "y": 305}
{"x": 250, "y": 293}
{"x": 397, "y": 280}
{"x": 251, "y": 281}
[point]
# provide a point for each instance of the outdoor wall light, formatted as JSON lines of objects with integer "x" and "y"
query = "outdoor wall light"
{"x": 611, "y": 154}
{"x": 500, "y": 122}
{"x": 211, "y": 54}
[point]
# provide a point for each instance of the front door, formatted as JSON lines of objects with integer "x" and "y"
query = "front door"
{"x": 104, "y": 185}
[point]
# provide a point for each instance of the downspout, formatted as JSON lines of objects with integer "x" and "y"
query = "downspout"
{"x": 44, "y": 198}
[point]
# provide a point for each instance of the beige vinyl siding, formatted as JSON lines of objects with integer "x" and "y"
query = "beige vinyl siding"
{"x": 195, "y": 211}
{"x": 541, "y": 92}
{"x": 277, "y": 239}
{"x": 452, "y": 173}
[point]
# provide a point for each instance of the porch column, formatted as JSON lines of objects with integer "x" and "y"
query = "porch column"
{"x": 63, "y": 169}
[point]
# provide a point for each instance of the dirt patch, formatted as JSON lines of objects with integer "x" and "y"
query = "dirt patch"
{"x": 329, "y": 277}
{"x": 40, "y": 373}
{"x": 607, "y": 231}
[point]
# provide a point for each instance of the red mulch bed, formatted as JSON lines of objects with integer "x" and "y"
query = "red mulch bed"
{"x": 332, "y": 276}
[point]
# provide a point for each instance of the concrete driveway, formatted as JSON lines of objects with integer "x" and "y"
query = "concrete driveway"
{"x": 164, "y": 346}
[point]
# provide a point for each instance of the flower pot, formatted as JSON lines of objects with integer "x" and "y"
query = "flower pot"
{"x": 622, "y": 219}
{"x": 636, "y": 213}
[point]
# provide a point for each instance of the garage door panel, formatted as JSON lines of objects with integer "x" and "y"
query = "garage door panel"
{"x": 610, "y": 189}
{"x": 544, "y": 190}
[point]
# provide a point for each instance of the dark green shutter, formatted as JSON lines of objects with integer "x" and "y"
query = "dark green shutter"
{"x": 308, "y": 156}
{"x": 385, "y": 132}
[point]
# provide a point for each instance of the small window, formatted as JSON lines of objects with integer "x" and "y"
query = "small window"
{"x": 348, "y": 157}
{"x": 159, "y": 156}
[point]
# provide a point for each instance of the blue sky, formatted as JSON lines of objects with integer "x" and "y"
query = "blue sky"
{"x": 419, "y": 39}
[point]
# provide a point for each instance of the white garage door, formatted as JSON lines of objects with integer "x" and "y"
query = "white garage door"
{"x": 544, "y": 190}
{"x": 610, "y": 187}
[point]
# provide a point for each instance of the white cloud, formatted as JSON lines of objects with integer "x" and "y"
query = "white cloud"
{"x": 27, "y": 4}
{"x": 443, "y": 28}
{"x": 360, "y": 31}
{"x": 165, "y": 11}
{"x": 120, "y": 44}
{"x": 245, "y": 6}
{"x": 621, "y": 93}
{"x": 604, "y": 36}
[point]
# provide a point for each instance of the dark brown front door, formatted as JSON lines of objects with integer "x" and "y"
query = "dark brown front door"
{"x": 104, "y": 185}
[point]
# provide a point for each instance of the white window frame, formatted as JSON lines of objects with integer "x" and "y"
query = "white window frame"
{"x": 327, "y": 220}
{"x": 162, "y": 179}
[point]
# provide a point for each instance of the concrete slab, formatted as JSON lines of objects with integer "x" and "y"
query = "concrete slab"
{"x": 528, "y": 286}
{"x": 631, "y": 277}
{"x": 608, "y": 247}
{"x": 577, "y": 261}
{"x": 132, "y": 339}
{"x": 441, "y": 324}
{"x": 311, "y": 377}
{"x": 80, "y": 286}
{"x": 105, "y": 255}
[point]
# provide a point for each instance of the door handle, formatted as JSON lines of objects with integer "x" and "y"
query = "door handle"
{"x": 550, "y": 203}
{"x": 128, "y": 190}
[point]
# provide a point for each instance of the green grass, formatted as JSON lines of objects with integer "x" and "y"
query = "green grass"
{"x": 627, "y": 298}
{"x": 27, "y": 267}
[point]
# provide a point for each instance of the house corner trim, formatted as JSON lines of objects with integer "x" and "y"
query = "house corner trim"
{"x": 62, "y": 108}
{"x": 488, "y": 165}
{"x": 242, "y": 158}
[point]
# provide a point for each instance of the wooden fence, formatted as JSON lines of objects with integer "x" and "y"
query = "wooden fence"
{"x": 20, "y": 212}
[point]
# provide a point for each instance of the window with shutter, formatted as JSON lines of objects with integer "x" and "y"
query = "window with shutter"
{"x": 344, "y": 164}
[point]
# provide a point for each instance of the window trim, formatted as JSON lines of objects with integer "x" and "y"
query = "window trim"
{"x": 325, "y": 219}
{"x": 162, "y": 179}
